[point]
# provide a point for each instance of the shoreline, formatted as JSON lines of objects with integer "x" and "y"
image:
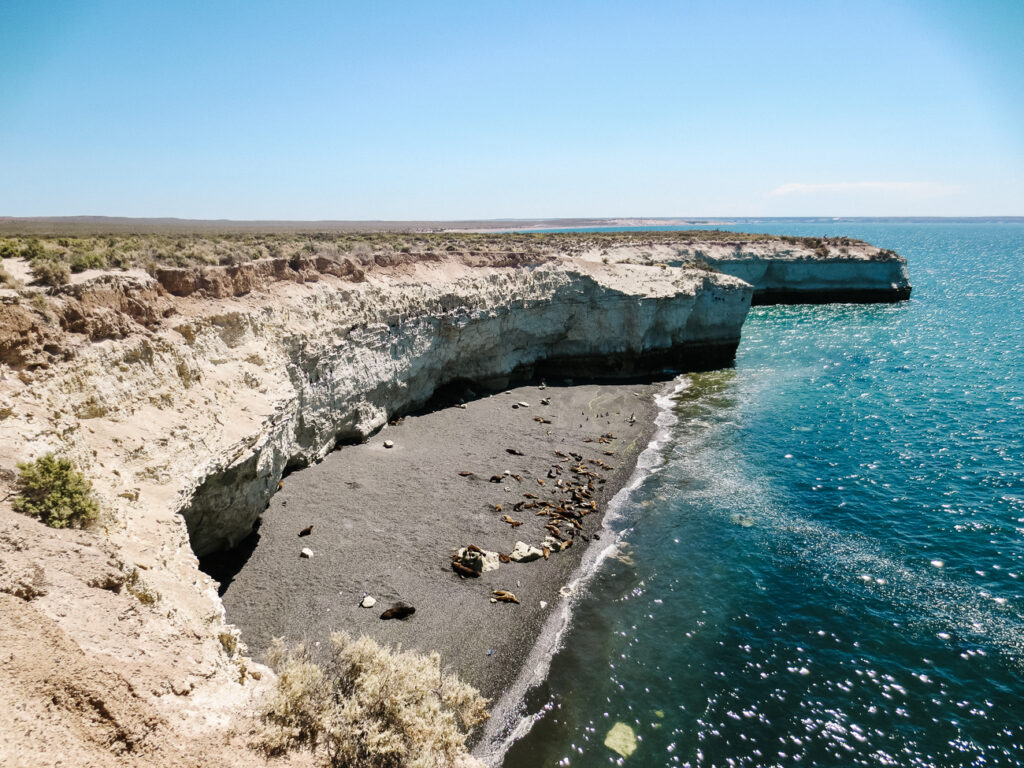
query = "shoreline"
{"x": 392, "y": 535}
{"x": 510, "y": 718}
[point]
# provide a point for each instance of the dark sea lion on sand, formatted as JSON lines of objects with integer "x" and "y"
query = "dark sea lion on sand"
{"x": 398, "y": 611}
{"x": 306, "y": 531}
{"x": 463, "y": 571}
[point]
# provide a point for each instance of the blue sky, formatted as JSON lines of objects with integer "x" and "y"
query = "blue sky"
{"x": 403, "y": 110}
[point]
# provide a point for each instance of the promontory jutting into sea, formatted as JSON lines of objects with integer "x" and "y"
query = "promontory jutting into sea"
{"x": 748, "y": 494}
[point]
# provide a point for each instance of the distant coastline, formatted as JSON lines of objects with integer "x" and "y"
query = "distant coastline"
{"x": 84, "y": 225}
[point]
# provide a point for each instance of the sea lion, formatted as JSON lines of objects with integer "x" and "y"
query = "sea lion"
{"x": 465, "y": 473}
{"x": 518, "y": 478}
{"x": 504, "y": 558}
{"x": 530, "y": 496}
{"x": 280, "y": 484}
{"x": 306, "y": 531}
{"x": 496, "y": 478}
{"x": 504, "y": 596}
{"x": 541, "y": 482}
{"x": 510, "y": 521}
{"x": 398, "y": 611}
{"x": 474, "y": 548}
{"x": 463, "y": 571}
{"x": 514, "y": 451}
{"x": 497, "y": 507}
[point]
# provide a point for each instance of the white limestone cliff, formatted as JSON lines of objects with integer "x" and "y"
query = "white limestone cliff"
{"x": 788, "y": 271}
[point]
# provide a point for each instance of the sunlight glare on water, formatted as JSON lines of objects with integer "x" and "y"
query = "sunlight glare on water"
{"x": 832, "y": 569}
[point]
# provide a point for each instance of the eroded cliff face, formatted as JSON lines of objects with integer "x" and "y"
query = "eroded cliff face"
{"x": 344, "y": 360}
{"x": 186, "y": 411}
{"x": 784, "y": 272}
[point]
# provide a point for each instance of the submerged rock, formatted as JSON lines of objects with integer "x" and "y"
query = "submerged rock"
{"x": 621, "y": 739}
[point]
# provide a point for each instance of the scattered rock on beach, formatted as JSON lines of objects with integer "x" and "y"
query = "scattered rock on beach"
{"x": 477, "y": 559}
{"x": 524, "y": 553}
{"x": 306, "y": 553}
{"x": 389, "y": 444}
{"x": 368, "y": 602}
{"x": 523, "y": 405}
{"x": 398, "y": 611}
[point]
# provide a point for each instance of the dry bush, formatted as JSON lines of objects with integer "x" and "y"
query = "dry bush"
{"x": 50, "y": 271}
{"x": 368, "y": 706}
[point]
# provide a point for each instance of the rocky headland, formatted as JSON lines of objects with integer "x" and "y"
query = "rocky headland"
{"x": 186, "y": 394}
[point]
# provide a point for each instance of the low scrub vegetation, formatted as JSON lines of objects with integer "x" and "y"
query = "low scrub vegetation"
{"x": 367, "y": 706}
{"x": 51, "y": 489}
{"x": 50, "y": 271}
{"x": 78, "y": 252}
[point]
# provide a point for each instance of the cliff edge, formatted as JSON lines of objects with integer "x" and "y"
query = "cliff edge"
{"x": 185, "y": 394}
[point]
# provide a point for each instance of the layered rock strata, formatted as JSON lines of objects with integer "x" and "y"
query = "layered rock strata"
{"x": 788, "y": 271}
{"x": 375, "y": 350}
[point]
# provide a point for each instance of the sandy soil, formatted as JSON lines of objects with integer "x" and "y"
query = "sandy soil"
{"x": 386, "y": 522}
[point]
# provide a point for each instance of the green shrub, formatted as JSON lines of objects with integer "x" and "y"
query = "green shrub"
{"x": 33, "y": 249}
{"x": 91, "y": 260}
{"x": 368, "y": 706}
{"x": 51, "y": 489}
{"x": 50, "y": 271}
{"x": 8, "y": 250}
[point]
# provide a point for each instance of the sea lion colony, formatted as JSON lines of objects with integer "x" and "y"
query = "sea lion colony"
{"x": 570, "y": 491}
{"x": 569, "y": 494}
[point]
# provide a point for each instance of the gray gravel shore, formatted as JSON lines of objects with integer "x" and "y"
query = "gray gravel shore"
{"x": 387, "y": 520}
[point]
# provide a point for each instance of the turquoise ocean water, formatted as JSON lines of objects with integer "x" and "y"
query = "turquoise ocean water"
{"x": 827, "y": 566}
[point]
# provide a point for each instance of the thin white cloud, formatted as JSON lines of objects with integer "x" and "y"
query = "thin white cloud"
{"x": 903, "y": 188}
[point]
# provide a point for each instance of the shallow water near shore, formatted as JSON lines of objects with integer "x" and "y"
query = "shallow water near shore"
{"x": 828, "y": 567}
